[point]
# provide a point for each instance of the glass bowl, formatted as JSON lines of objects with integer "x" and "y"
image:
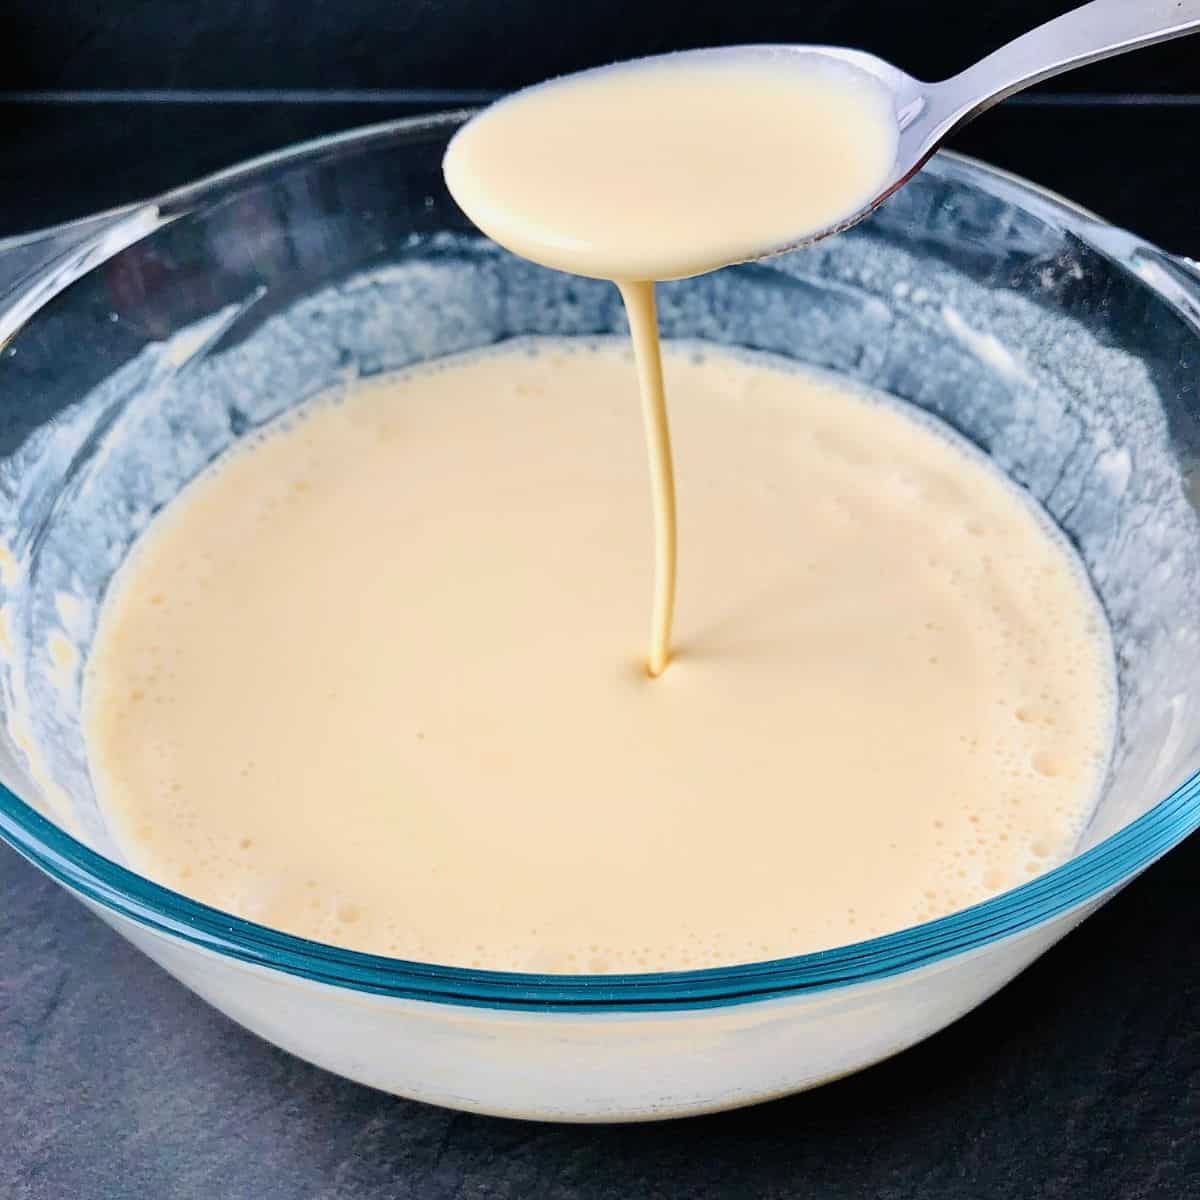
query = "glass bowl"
{"x": 137, "y": 345}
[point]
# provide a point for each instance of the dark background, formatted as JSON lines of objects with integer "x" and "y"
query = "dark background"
{"x": 102, "y": 103}
{"x": 478, "y": 44}
{"x": 1082, "y": 1079}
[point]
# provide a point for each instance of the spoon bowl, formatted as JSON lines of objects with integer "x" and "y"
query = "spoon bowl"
{"x": 667, "y": 167}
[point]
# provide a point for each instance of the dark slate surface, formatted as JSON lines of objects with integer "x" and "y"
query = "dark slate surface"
{"x": 1081, "y": 1080}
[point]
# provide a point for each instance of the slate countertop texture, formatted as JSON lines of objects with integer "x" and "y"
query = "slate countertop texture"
{"x": 1081, "y": 1079}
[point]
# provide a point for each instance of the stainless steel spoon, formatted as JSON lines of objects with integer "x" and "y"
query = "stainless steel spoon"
{"x": 928, "y": 112}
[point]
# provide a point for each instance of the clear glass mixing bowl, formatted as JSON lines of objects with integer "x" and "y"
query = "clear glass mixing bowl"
{"x": 137, "y": 345}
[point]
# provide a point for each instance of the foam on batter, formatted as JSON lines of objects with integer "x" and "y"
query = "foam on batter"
{"x": 375, "y": 677}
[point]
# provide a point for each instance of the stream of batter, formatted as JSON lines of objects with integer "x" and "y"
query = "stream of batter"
{"x": 667, "y": 167}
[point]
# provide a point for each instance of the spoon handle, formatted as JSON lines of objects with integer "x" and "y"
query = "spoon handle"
{"x": 1084, "y": 35}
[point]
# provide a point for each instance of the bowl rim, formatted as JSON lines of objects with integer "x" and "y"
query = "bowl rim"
{"x": 1087, "y": 878}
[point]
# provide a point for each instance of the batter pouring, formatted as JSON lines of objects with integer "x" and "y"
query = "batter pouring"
{"x": 667, "y": 167}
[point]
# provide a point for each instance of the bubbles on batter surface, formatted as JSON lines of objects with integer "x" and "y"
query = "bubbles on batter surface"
{"x": 971, "y": 853}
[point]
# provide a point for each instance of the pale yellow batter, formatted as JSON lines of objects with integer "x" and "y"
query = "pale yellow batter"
{"x": 666, "y": 167}
{"x": 378, "y": 679}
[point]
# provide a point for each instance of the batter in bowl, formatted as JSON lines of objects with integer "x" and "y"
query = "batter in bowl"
{"x": 376, "y": 676}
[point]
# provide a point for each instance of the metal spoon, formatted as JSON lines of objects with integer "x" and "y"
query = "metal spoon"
{"x": 928, "y": 112}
